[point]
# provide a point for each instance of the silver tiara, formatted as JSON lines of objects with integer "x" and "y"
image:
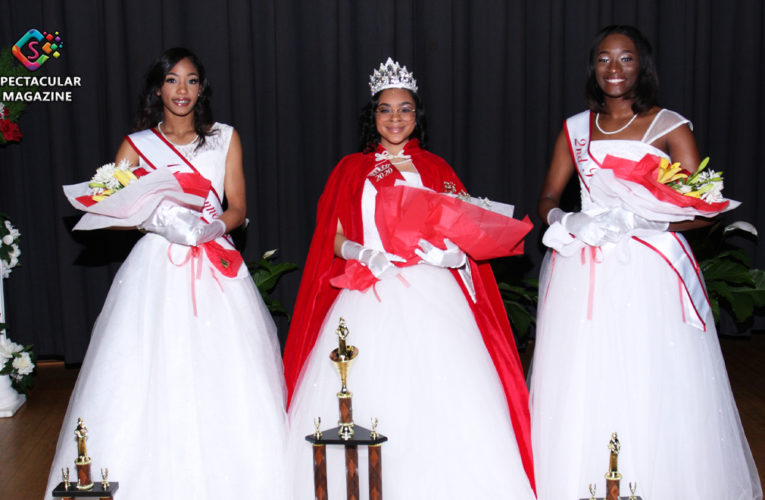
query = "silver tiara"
{"x": 391, "y": 76}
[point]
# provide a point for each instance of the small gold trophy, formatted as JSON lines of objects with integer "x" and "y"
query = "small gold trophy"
{"x": 343, "y": 358}
{"x": 613, "y": 476}
{"x": 83, "y": 460}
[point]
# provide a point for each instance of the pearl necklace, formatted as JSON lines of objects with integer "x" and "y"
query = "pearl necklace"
{"x": 192, "y": 141}
{"x": 597, "y": 115}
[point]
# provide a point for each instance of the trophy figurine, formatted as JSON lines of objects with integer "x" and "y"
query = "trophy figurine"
{"x": 343, "y": 357}
{"x": 613, "y": 476}
{"x": 83, "y": 460}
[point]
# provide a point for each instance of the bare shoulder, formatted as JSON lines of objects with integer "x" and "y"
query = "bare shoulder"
{"x": 126, "y": 152}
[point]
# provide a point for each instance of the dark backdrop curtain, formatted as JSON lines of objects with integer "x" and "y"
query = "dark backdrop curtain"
{"x": 497, "y": 77}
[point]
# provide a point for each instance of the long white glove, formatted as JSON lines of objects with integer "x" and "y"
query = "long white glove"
{"x": 377, "y": 261}
{"x": 585, "y": 227}
{"x": 453, "y": 257}
{"x": 181, "y": 225}
{"x": 624, "y": 223}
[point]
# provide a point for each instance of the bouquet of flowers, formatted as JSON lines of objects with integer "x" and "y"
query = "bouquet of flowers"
{"x": 482, "y": 228}
{"x": 659, "y": 191}
{"x": 9, "y": 247}
{"x": 110, "y": 178}
{"x": 17, "y": 362}
{"x": 119, "y": 195}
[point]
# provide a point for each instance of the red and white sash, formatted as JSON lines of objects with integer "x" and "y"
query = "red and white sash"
{"x": 158, "y": 152}
{"x": 672, "y": 247}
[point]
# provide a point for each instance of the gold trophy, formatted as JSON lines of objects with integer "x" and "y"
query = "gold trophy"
{"x": 343, "y": 358}
{"x": 348, "y": 435}
{"x": 613, "y": 476}
{"x": 84, "y": 487}
{"x": 83, "y": 460}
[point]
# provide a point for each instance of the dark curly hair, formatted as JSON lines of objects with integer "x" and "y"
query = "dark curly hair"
{"x": 150, "y": 109}
{"x": 369, "y": 137}
{"x": 646, "y": 90}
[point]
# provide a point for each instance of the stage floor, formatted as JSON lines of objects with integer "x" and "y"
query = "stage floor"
{"x": 28, "y": 439}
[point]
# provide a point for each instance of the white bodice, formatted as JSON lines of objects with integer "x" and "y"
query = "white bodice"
{"x": 663, "y": 123}
{"x": 368, "y": 200}
{"x": 210, "y": 159}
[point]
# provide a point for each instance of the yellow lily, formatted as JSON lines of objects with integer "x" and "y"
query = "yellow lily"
{"x": 669, "y": 173}
{"x": 122, "y": 177}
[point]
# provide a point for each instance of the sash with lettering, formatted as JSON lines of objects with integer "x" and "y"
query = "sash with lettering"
{"x": 355, "y": 275}
{"x": 672, "y": 247}
{"x": 157, "y": 153}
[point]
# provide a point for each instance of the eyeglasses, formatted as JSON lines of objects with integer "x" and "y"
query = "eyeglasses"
{"x": 387, "y": 112}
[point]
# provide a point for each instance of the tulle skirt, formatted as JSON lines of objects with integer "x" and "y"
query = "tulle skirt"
{"x": 425, "y": 374}
{"x": 634, "y": 367}
{"x": 180, "y": 406}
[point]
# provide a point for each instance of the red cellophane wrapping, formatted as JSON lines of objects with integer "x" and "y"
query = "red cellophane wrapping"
{"x": 405, "y": 214}
{"x": 644, "y": 173}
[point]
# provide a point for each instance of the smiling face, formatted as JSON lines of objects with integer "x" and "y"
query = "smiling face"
{"x": 180, "y": 89}
{"x": 617, "y": 66}
{"x": 395, "y": 118}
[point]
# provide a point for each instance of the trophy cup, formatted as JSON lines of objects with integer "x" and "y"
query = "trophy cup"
{"x": 343, "y": 358}
{"x": 347, "y": 434}
{"x": 85, "y": 487}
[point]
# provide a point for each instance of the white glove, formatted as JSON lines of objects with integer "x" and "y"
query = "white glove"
{"x": 183, "y": 226}
{"x": 377, "y": 261}
{"x": 623, "y": 223}
{"x": 452, "y": 257}
{"x": 585, "y": 227}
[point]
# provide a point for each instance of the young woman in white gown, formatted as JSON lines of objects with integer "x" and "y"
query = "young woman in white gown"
{"x": 439, "y": 372}
{"x": 182, "y": 388}
{"x": 626, "y": 341}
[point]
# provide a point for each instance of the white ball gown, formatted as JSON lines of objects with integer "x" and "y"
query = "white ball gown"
{"x": 424, "y": 372}
{"x": 635, "y": 367}
{"x": 178, "y": 405}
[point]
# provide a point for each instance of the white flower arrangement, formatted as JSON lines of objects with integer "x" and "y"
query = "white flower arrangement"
{"x": 9, "y": 247}
{"x": 109, "y": 178}
{"x": 16, "y": 361}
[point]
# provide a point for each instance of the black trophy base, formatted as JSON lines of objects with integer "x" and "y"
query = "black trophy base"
{"x": 360, "y": 437}
{"x": 96, "y": 491}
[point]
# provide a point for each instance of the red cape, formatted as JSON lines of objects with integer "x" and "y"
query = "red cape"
{"x": 341, "y": 200}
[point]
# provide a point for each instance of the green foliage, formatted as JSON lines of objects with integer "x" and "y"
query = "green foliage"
{"x": 732, "y": 285}
{"x": 10, "y": 67}
{"x": 266, "y": 273}
{"x": 521, "y": 305}
{"x": 519, "y": 295}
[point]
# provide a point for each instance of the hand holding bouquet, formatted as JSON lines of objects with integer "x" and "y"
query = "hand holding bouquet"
{"x": 657, "y": 190}
{"x": 123, "y": 196}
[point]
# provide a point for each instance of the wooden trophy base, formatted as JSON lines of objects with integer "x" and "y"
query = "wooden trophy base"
{"x": 360, "y": 438}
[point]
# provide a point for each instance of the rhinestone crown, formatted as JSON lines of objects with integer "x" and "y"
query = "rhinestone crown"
{"x": 391, "y": 75}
